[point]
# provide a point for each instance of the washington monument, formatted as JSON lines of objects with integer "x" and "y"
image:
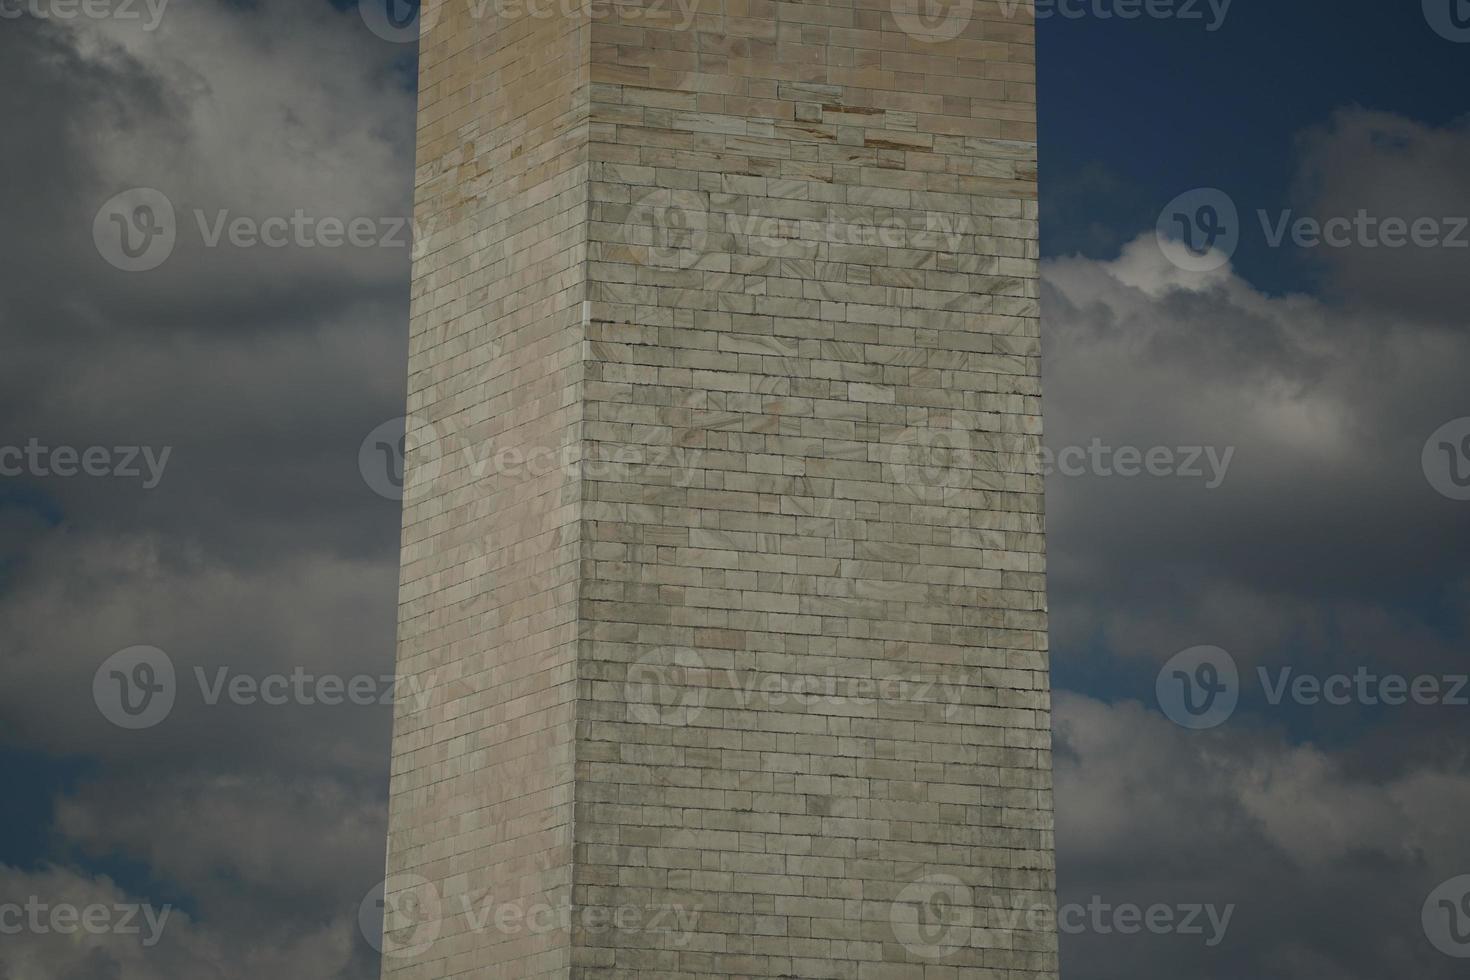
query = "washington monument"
{"x": 723, "y": 565}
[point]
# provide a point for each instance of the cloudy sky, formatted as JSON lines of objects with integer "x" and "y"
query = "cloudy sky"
{"x": 1301, "y": 520}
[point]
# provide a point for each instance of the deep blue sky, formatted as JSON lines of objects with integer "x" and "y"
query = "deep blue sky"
{"x": 1133, "y": 112}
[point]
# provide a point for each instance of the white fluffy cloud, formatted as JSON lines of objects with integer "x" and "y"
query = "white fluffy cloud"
{"x": 1323, "y": 411}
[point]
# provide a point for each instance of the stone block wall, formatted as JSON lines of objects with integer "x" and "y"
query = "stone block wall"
{"x": 756, "y": 685}
{"x": 482, "y": 778}
{"x": 814, "y": 694}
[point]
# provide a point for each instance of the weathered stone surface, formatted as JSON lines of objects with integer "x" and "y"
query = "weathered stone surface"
{"x": 723, "y": 563}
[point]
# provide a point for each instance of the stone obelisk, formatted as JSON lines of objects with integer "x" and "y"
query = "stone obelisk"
{"x": 723, "y": 582}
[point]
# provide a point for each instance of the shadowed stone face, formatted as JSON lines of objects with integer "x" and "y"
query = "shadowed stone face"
{"x": 723, "y": 533}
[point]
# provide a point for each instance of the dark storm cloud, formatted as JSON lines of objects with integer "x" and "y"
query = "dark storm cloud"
{"x": 1327, "y": 872}
{"x": 260, "y": 368}
{"x": 301, "y": 848}
{"x": 58, "y": 105}
{"x": 260, "y": 553}
{"x": 149, "y": 939}
{"x": 1383, "y": 167}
